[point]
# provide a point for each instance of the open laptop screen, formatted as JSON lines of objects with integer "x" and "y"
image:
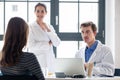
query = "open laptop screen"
{"x": 70, "y": 66}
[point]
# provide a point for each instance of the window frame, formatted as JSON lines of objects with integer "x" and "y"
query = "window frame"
{"x": 76, "y": 36}
{"x": 55, "y": 14}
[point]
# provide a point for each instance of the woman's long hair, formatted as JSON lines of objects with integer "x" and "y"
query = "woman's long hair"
{"x": 14, "y": 41}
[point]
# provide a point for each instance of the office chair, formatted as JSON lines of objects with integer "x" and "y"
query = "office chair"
{"x": 117, "y": 72}
{"x": 17, "y": 77}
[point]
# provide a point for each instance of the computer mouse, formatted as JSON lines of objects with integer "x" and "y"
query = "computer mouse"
{"x": 78, "y": 76}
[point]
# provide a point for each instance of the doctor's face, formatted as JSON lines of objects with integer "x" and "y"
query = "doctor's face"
{"x": 88, "y": 35}
{"x": 40, "y": 12}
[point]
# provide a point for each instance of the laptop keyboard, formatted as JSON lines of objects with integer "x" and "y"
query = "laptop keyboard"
{"x": 62, "y": 75}
{"x": 75, "y": 76}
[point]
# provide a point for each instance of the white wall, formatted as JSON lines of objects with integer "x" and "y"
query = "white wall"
{"x": 113, "y": 28}
{"x": 110, "y": 24}
{"x": 117, "y": 33}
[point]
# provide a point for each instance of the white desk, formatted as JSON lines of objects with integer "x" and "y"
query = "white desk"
{"x": 94, "y": 78}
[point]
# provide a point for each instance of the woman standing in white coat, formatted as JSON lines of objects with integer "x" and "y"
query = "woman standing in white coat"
{"x": 42, "y": 38}
{"x": 95, "y": 51}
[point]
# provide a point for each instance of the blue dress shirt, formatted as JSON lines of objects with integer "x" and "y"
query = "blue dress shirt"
{"x": 89, "y": 51}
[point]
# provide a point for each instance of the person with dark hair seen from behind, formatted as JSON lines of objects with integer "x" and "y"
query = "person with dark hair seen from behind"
{"x": 95, "y": 52}
{"x": 13, "y": 60}
{"x": 42, "y": 38}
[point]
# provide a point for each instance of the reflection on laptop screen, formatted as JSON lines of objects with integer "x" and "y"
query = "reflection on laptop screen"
{"x": 70, "y": 66}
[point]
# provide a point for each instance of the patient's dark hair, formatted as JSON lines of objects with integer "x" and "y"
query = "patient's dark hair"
{"x": 14, "y": 41}
{"x": 89, "y": 23}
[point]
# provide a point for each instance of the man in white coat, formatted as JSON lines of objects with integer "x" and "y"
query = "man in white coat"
{"x": 95, "y": 51}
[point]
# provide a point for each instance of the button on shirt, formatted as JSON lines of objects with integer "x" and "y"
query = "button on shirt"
{"x": 89, "y": 51}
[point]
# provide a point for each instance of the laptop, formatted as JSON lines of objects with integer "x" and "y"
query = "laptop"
{"x": 69, "y": 67}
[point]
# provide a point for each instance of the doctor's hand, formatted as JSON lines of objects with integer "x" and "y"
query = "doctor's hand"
{"x": 89, "y": 68}
{"x": 46, "y": 28}
{"x": 50, "y": 42}
{"x": 86, "y": 66}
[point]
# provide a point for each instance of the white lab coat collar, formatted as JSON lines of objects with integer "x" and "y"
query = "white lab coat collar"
{"x": 99, "y": 45}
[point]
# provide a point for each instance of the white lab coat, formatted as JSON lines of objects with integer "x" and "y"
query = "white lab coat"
{"x": 103, "y": 58}
{"x": 38, "y": 43}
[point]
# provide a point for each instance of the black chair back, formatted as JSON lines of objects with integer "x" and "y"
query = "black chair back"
{"x": 17, "y": 77}
{"x": 117, "y": 72}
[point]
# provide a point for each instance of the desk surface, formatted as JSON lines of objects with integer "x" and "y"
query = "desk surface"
{"x": 94, "y": 78}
